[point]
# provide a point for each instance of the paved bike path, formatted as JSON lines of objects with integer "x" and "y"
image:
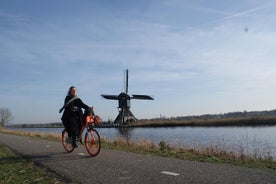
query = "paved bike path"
{"x": 112, "y": 166}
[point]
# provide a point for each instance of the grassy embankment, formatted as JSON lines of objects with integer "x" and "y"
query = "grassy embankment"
{"x": 209, "y": 154}
{"x": 233, "y": 121}
{"x": 15, "y": 169}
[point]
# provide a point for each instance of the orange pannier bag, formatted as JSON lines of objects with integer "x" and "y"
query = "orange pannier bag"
{"x": 97, "y": 120}
{"x": 90, "y": 120}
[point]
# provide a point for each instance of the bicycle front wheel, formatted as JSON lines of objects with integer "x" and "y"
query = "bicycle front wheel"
{"x": 67, "y": 141}
{"x": 92, "y": 142}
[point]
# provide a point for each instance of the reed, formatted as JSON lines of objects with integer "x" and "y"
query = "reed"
{"x": 233, "y": 121}
{"x": 210, "y": 153}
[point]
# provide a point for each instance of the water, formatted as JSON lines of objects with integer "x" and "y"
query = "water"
{"x": 260, "y": 141}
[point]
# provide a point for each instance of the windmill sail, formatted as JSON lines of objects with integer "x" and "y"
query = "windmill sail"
{"x": 142, "y": 97}
{"x": 126, "y": 81}
{"x": 110, "y": 97}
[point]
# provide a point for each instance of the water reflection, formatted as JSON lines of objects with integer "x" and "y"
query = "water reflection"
{"x": 125, "y": 133}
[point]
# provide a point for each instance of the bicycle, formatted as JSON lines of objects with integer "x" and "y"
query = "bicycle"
{"x": 92, "y": 140}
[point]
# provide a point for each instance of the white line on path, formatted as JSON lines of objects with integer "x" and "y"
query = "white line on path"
{"x": 169, "y": 173}
{"x": 82, "y": 154}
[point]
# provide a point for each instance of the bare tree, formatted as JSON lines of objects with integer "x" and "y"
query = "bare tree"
{"x": 5, "y": 116}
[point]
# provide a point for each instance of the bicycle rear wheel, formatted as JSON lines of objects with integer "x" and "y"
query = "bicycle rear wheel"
{"x": 66, "y": 141}
{"x": 92, "y": 142}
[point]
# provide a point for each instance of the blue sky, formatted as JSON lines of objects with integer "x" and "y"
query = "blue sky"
{"x": 194, "y": 57}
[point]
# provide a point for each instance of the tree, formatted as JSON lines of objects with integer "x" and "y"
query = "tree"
{"x": 5, "y": 116}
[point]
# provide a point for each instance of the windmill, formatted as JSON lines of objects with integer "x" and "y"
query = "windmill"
{"x": 125, "y": 115}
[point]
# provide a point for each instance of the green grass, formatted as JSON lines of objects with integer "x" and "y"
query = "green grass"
{"x": 14, "y": 169}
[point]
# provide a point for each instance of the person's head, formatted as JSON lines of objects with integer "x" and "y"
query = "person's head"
{"x": 72, "y": 91}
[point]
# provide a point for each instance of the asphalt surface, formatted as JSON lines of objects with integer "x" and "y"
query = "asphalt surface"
{"x": 112, "y": 166}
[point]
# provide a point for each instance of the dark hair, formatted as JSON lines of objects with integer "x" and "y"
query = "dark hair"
{"x": 69, "y": 91}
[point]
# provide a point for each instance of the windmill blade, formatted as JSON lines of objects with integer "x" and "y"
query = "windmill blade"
{"x": 110, "y": 97}
{"x": 142, "y": 97}
{"x": 126, "y": 81}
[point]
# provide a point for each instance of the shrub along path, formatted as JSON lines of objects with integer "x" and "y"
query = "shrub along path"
{"x": 112, "y": 166}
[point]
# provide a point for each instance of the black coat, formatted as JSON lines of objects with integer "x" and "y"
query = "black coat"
{"x": 72, "y": 114}
{"x": 73, "y": 109}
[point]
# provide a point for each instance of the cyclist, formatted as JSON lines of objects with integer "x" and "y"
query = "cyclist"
{"x": 72, "y": 114}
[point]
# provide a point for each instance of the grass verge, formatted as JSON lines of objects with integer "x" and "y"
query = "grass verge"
{"x": 15, "y": 169}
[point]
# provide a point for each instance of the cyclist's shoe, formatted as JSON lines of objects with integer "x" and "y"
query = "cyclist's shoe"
{"x": 81, "y": 140}
{"x": 74, "y": 145}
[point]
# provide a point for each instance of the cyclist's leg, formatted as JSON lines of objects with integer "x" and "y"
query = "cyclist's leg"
{"x": 74, "y": 130}
{"x": 66, "y": 125}
{"x": 79, "y": 122}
